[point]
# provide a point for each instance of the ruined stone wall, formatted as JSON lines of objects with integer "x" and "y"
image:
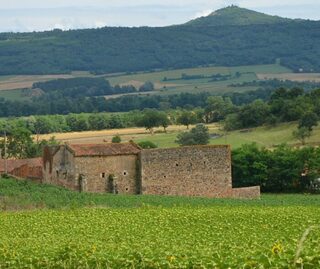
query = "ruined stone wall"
{"x": 113, "y": 174}
{"x": 190, "y": 171}
{"x": 246, "y": 193}
{"x": 243, "y": 193}
{"x": 28, "y": 172}
{"x": 58, "y": 169}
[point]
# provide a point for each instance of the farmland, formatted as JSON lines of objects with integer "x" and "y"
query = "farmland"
{"x": 10, "y": 86}
{"x": 292, "y": 76}
{"x": 264, "y": 136}
{"x": 106, "y": 231}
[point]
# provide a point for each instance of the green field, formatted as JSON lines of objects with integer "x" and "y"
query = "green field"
{"x": 265, "y": 136}
{"x": 106, "y": 231}
{"x": 13, "y": 94}
{"x": 247, "y": 74}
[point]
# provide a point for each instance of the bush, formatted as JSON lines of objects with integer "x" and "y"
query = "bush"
{"x": 116, "y": 139}
{"x": 198, "y": 135}
{"x": 147, "y": 145}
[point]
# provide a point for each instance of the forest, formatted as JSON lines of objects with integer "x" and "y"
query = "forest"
{"x": 116, "y": 49}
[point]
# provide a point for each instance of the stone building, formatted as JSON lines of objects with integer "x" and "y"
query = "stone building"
{"x": 110, "y": 168}
{"x": 126, "y": 169}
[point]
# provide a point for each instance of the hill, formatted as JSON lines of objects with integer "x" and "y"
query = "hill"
{"x": 234, "y": 15}
{"x": 247, "y": 38}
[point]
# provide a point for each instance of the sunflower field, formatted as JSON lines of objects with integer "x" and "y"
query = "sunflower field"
{"x": 216, "y": 236}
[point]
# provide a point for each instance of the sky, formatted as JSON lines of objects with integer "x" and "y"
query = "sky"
{"x": 40, "y": 15}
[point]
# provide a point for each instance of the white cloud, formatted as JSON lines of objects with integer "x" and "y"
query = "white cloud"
{"x": 203, "y": 13}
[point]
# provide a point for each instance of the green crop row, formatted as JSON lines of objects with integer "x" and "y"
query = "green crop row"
{"x": 221, "y": 236}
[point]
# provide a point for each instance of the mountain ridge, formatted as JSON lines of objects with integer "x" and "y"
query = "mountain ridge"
{"x": 234, "y": 15}
{"x": 261, "y": 39}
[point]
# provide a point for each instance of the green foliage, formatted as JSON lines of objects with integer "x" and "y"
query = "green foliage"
{"x": 152, "y": 118}
{"x": 187, "y": 118}
{"x": 77, "y": 122}
{"x": 198, "y": 135}
{"x": 98, "y": 121}
{"x": 147, "y": 87}
{"x": 279, "y": 170}
{"x": 145, "y": 231}
{"x": 234, "y": 15}
{"x": 217, "y": 108}
{"x": 116, "y": 139}
{"x": 86, "y": 86}
{"x": 147, "y": 145}
{"x": 309, "y": 120}
{"x": 232, "y": 122}
{"x": 271, "y": 84}
{"x": 60, "y": 52}
{"x": 20, "y": 145}
{"x": 302, "y": 133}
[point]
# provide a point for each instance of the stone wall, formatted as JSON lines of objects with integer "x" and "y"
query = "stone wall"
{"x": 246, "y": 193}
{"x": 243, "y": 193}
{"x": 190, "y": 171}
{"x": 28, "y": 172}
{"x": 186, "y": 171}
{"x": 58, "y": 168}
{"x": 113, "y": 174}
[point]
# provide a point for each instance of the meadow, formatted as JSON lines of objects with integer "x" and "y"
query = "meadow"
{"x": 73, "y": 230}
{"x": 264, "y": 136}
{"x": 10, "y": 86}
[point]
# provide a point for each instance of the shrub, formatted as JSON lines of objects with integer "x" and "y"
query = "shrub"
{"x": 147, "y": 145}
{"x": 198, "y": 135}
{"x": 116, "y": 139}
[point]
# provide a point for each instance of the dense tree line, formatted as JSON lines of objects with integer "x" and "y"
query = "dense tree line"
{"x": 284, "y": 169}
{"x": 85, "y": 87}
{"x": 283, "y": 106}
{"x": 237, "y": 110}
{"x": 271, "y": 84}
{"x": 71, "y": 122}
{"x": 295, "y": 43}
{"x": 59, "y": 104}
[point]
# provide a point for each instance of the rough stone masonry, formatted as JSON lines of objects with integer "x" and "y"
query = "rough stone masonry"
{"x": 124, "y": 168}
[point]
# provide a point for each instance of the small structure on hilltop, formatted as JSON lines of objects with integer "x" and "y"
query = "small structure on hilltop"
{"x": 125, "y": 168}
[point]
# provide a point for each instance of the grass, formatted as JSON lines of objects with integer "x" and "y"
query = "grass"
{"x": 267, "y": 136}
{"x": 263, "y": 136}
{"x": 21, "y": 195}
{"x": 13, "y": 94}
{"x": 315, "y": 77}
{"x": 248, "y": 73}
{"x": 110, "y": 231}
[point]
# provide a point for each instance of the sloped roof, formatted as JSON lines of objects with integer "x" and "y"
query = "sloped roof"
{"x": 112, "y": 149}
{"x": 12, "y": 164}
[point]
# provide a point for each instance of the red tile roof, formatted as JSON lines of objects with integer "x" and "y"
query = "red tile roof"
{"x": 13, "y": 164}
{"x": 113, "y": 149}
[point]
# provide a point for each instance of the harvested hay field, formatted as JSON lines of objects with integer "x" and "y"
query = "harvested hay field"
{"x": 135, "y": 134}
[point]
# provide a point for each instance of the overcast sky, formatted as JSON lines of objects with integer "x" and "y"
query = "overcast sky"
{"x": 39, "y": 15}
